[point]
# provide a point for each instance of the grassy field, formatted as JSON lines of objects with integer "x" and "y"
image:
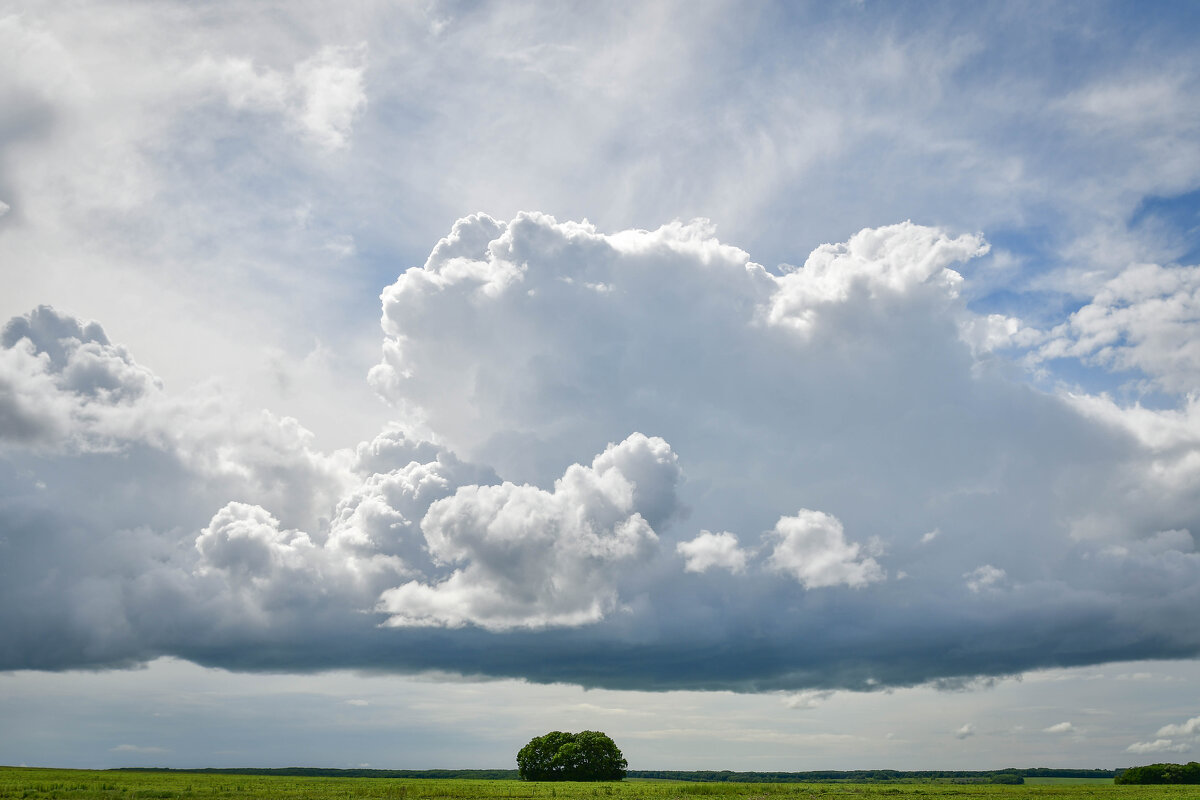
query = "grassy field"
{"x": 39, "y": 784}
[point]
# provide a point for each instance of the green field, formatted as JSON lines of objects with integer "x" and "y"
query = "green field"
{"x": 35, "y": 784}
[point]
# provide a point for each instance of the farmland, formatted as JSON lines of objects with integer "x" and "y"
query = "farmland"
{"x": 45, "y": 784}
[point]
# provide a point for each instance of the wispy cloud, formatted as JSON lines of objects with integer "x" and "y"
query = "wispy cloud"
{"x": 134, "y": 748}
{"x": 1189, "y": 728}
{"x": 1158, "y": 746}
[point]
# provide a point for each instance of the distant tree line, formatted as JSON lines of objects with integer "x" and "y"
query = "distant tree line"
{"x": 1046, "y": 772}
{"x": 1161, "y": 773}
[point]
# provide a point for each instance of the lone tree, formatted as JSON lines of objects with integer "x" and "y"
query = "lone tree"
{"x": 583, "y": 756}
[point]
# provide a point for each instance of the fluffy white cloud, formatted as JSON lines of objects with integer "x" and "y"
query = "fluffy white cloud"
{"x": 503, "y": 345}
{"x": 710, "y": 550}
{"x": 875, "y": 264}
{"x": 1060, "y": 727}
{"x": 812, "y": 547}
{"x": 246, "y": 542}
{"x": 531, "y": 558}
{"x": 966, "y": 731}
{"x": 1146, "y": 318}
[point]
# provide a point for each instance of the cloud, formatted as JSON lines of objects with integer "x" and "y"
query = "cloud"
{"x": 1061, "y": 727}
{"x": 965, "y": 732}
{"x": 531, "y": 558}
{"x": 1189, "y": 728}
{"x": 133, "y": 748}
{"x": 321, "y": 97}
{"x": 571, "y": 407}
{"x": 710, "y": 550}
{"x": 1158, "y": 746}
{"x": 769, "y": 386}
{"x": 874, "y": 264}
{"x": 58, "y": 375}
{"x": 806, "y": 700}
{"x": 812, "y": 546}
{"x": 1144, "y": 320}
{"x": 245, "y": 541}
{"x": 984, "y": 577}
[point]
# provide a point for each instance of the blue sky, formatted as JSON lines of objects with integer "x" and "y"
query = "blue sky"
{"x": 738, "y": 379}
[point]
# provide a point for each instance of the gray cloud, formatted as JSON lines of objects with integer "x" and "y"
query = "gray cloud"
{"x": 600, "y": 404}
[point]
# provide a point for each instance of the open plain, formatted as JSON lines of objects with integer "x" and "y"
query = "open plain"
{"x": 55, "y": 784}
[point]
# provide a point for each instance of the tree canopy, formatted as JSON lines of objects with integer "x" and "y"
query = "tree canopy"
{"x": 560, "y": 756}
{"x": 1161, "y": 773}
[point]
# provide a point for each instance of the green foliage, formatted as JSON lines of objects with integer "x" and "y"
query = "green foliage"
{"x": 560, "y": 756}
{"x": 1188, "y": 773}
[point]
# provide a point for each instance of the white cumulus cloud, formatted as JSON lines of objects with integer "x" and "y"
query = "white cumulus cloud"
{"x": 1146, "y": 318}
{"x": 812, "y": 547}
{"x": 709, "y": 550}
{"x": 531, "y": 558}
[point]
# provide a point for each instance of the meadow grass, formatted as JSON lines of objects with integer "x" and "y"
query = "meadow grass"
{"x": 52, "y": 784}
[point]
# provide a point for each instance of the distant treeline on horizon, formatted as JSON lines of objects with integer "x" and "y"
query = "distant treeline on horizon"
{"x": 1010, "y": 776}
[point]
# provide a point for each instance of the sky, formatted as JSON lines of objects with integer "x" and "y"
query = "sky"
{"x": 779, "y": 386}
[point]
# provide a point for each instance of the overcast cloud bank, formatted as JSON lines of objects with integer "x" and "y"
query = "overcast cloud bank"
{"x": 635, "y": 460}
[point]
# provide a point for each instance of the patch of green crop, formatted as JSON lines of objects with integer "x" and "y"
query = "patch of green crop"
{"x": 1069, "y": 781}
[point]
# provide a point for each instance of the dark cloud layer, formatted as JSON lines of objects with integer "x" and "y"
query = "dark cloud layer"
{"x": 635, "y": 460}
